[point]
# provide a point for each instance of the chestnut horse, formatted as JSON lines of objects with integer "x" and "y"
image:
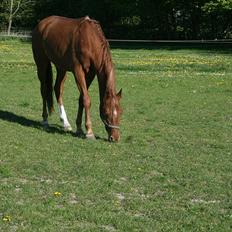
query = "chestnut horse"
{"x": 79, "y": 46}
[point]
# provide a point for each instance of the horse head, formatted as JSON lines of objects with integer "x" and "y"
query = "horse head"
{"x": 110, "y": 115}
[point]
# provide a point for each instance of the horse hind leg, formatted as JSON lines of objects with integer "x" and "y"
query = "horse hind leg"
{"x": 59, "y": 89}
{"x": 42, "y": 71}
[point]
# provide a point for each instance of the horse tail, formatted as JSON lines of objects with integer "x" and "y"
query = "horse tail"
{"x": 49, "y": 88}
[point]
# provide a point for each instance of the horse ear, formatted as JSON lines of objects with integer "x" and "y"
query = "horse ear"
{"x": 119, "y": 94}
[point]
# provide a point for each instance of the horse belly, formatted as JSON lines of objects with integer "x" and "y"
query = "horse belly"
{"x": 59, "y": 54}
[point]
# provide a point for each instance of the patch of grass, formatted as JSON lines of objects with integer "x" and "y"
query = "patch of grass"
{"x": 171, "y": 170}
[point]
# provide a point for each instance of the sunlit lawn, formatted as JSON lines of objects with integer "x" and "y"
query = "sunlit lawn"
{"x": 171, "y": 171}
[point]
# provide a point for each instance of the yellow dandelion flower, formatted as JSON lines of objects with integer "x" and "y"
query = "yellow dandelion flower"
{"x": 6, "y": 218}
{"x": 57, "y": 194}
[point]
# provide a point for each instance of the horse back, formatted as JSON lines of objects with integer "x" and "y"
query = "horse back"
{"x": 67, "y": 42}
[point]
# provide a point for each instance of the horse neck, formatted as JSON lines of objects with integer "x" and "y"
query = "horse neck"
{"x": 107, "y": 84}
{"x": 110, "y": 83}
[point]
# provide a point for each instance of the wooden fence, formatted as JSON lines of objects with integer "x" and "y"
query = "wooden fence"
{"x": 26, "y": 35}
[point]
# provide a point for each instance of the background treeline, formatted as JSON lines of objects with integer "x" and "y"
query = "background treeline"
{"x": 131, "y": 19}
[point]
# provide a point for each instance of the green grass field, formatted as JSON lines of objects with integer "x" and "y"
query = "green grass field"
{"x": 171, "y": 171}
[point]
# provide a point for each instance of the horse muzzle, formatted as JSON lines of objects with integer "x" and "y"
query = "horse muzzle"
{"x": 113, "y": 139}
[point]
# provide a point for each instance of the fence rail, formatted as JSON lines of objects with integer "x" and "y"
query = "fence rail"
{"x": 216, "y": 41}
{"x": 16, "y": 34}
{"x": 27, "y": 35}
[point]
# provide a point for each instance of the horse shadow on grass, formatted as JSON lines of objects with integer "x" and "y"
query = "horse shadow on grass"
{"x": 23, "y": 121}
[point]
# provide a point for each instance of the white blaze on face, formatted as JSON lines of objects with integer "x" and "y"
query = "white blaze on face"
{"x": 115, "y": 113}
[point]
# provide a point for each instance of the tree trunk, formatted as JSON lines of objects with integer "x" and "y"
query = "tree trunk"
{"x": 10, "y": 17}
{"x": 9, "y": 26}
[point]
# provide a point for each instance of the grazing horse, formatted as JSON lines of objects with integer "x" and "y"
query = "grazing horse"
{"x": 78, "y": 46}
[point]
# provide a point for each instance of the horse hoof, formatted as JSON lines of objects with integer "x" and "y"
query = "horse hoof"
{"x": 67, "y": 128}
{"x": 44, "y": 123}
{"x": 80, "y": 133}
{"x": 90, "y": 136}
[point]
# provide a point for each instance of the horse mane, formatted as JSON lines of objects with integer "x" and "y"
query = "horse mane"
{"x": 104, "y": 43}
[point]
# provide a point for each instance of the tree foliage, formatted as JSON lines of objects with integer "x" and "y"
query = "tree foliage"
{"x": 18, "y": 11}
{"x": 135, "y": 19}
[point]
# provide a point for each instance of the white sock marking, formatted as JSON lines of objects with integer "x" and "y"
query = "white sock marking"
{"x": 63, "y": 116}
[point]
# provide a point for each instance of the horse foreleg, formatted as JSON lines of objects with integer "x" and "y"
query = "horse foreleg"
{"x": 84, "y": 102}
{"x": 59, "y": 89}
{"x": 89, "y": 79}
{"x": 80, "y": 132}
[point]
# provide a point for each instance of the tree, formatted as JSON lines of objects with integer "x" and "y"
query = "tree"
{"x": 218, "y": 17}
{"x": 12, "y": 8}
{"x": 12, "y": 12}
{"x": 130, "y": 19}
